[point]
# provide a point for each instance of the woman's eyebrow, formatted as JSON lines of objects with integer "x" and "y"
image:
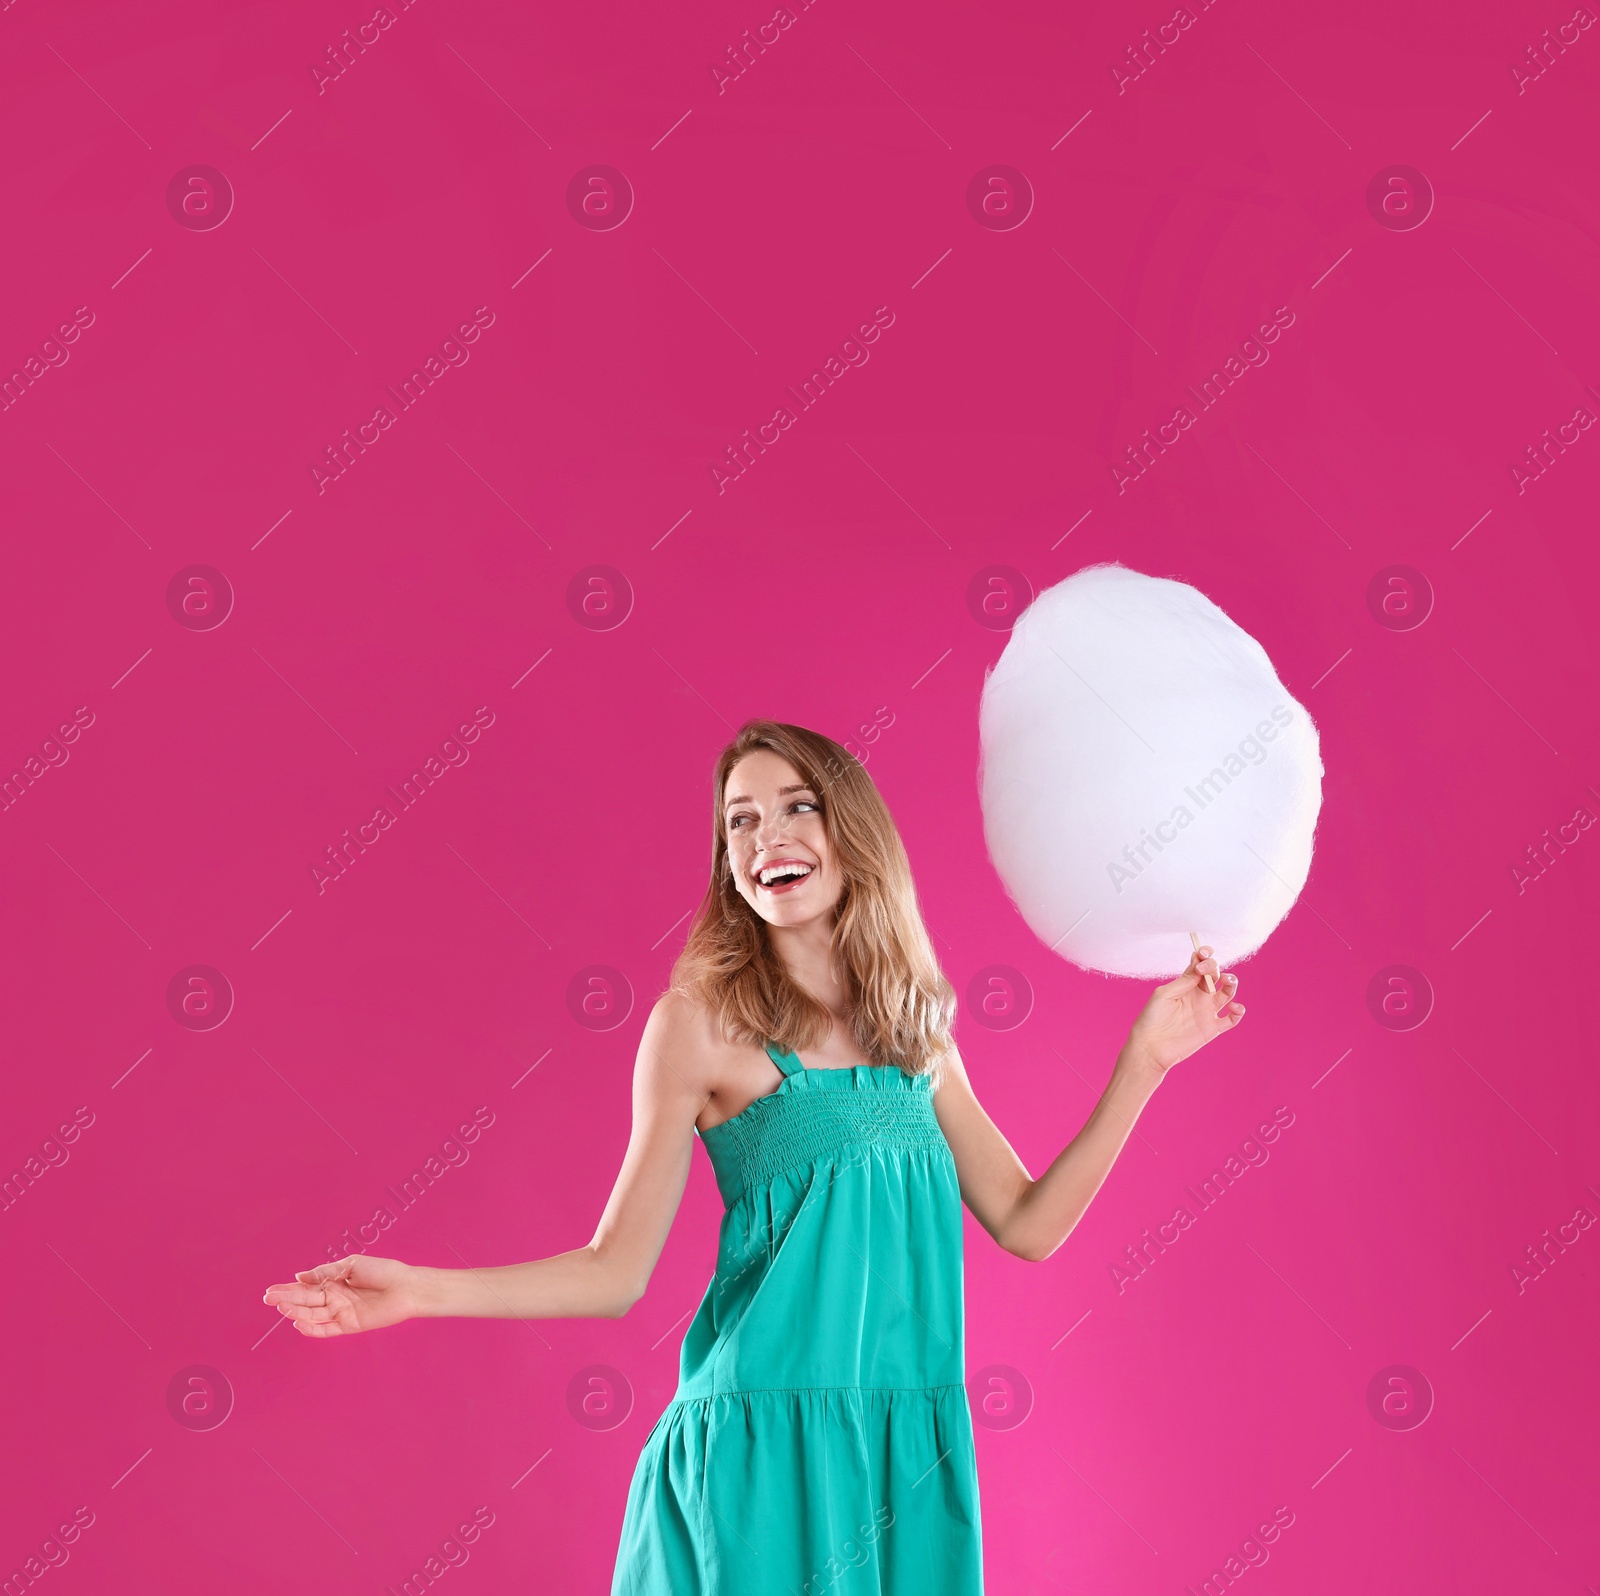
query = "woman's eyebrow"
{"x": 802, "y": 786}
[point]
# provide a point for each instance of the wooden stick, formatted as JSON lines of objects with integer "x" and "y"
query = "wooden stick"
{"x": 1194, "y": 942}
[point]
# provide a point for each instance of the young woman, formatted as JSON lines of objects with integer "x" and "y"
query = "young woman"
{"x": 821, "y": 1426}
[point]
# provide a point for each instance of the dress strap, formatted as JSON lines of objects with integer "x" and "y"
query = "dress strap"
{"x": 789, "y": 1063}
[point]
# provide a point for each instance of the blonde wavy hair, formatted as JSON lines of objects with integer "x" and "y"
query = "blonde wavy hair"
{"x": 901, "y": 1005}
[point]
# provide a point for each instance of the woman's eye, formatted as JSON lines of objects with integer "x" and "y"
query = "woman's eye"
{"x": 735, "y": 821}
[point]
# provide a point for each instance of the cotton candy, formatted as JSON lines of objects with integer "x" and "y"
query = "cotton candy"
{"x": 1143, "y": 774}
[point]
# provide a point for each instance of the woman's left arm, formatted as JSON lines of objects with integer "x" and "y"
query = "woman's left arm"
{"x": 1031, "y": 1218}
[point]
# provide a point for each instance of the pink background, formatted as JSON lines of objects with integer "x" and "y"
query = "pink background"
{"x": 829, "y": 586}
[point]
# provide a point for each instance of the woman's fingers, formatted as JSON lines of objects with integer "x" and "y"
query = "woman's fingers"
{"x": 1230, "y": 1013}
{"x": 330, "y": 1311}
{"x": 309, "y": 1286}
{"x": 313, "y": 1328}
{"x": 1199, "y": 968}
{"x": 323, "y": 1301}
{"x": 317, "y": 1315}
{"x": 338, "y": 1270}
{"x": 1202, "y": 962}
{"x": 307, "y": 1299}
{"x": 292, "y": 1293}
{"x": 316, "y": 1297}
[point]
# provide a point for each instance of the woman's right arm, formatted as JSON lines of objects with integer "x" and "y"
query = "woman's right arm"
{"x": 601, "y": 1280}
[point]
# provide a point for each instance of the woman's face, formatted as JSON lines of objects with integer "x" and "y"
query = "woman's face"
{"x": 777, "y": 842}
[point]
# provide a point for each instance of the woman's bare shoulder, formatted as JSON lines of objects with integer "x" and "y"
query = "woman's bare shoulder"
{"x": 682, "y": 1020}
{"x": 684, "y": 1036}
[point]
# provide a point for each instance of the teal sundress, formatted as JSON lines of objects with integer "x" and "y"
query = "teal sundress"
{"x": 820, "y": 1435}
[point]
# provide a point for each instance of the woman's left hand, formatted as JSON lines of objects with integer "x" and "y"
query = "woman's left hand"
{"x": 1181, "y": 1016}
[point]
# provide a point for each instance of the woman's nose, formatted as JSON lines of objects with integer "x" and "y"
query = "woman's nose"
{"x": 771, "y": 831}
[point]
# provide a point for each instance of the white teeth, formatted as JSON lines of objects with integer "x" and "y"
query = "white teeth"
{"x": 799, "y": 871}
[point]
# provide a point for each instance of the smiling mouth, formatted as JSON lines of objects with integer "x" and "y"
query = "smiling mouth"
{"x": 784, "y": 876}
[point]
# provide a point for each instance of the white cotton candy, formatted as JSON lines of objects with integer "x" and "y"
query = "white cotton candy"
{"x": 1131, "y": 791}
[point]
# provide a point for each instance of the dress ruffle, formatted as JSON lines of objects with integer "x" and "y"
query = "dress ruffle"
{"x": 757, "y": 1492}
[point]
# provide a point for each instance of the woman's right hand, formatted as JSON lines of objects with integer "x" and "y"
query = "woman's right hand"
{"x": 355, "y": 1293}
